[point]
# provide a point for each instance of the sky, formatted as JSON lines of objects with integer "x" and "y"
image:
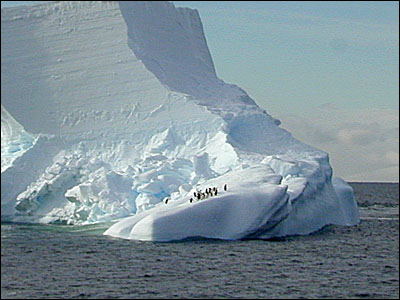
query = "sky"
{"x": 328, "y": 70}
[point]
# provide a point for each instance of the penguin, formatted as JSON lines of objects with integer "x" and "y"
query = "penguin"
{"x": 194, "y": 193}
{"x": 216, "y": 192}
{"x": 166, "y": 201}
{"x": 191, "y": 200}
{"x": 225, "y": 187}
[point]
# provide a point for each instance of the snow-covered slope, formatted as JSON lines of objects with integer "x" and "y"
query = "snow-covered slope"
{"x": 108, "y": 109}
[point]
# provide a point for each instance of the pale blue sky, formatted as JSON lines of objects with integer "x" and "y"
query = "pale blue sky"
{"x": 290, "y": 55}
{"x": 328, "y": 70}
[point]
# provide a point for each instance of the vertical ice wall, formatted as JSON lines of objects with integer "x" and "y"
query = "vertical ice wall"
{"x": 66, "y": 67}
{"x": 171, "y": 43}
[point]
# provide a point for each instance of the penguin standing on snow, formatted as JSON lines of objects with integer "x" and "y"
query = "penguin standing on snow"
{"x": 191, "y": 200}
{"x": 166, "y": 201}
{"x": 225, "y": 187}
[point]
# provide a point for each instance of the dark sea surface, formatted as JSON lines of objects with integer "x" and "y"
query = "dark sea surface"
{"x": 54, "y": 261}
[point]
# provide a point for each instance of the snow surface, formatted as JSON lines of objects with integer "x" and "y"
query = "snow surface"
{"x": 109, "y": 109}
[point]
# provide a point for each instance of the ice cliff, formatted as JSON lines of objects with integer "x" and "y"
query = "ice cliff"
{"x": 110, "y": 108}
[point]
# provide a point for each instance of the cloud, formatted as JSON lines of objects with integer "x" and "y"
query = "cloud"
{"x": 390, "y": 174}
{"x": 355, "y": 136}
{"x": 328, "y": 106}
{"x": 359, "y": 142}
{"x": 364, "y": 134}
{"x": 392, "y": 158}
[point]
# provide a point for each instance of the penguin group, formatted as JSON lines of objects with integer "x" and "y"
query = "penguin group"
{"x": 199, "y": 195}
{"x": 209, "y": 192}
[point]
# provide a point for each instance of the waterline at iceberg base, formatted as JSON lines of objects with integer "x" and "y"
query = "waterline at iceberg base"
{"x": 109, "y": 109}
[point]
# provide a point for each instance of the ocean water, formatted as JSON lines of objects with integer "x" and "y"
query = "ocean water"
{"x": 50, "y": 261}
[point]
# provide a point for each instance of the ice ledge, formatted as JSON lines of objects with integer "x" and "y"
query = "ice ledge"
{"x": 256, "y": 204}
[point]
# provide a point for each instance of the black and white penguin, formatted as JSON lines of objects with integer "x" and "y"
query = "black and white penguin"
{"x": 191, "y": 200}
{"x": 225, "y": 187}
{"x": 166, "y": 201}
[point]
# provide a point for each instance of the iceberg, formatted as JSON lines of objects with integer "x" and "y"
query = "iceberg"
{"x": 113, "y": 112}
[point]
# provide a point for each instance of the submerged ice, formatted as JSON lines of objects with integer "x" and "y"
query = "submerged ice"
{"x": 109, "y": 109}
